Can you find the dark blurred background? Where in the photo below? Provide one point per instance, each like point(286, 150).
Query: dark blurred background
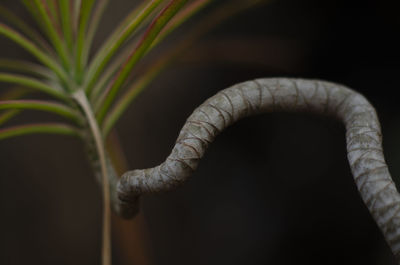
point(272, 189)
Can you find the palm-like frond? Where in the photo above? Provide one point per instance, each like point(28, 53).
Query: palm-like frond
point(84, 89)
point(69, 27)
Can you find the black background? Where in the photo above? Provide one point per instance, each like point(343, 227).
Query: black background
point(272, 189)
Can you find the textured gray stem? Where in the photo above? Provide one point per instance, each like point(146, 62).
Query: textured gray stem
point(363, 135)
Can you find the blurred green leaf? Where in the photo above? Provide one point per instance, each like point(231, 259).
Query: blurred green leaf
point(116, 39)
point(34, 83)
point(42, 105)
point(34, 50)
point(46, 128)
point(151, 33)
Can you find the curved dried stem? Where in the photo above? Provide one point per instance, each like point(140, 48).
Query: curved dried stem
point(363, 135)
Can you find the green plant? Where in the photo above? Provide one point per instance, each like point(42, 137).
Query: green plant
point(89, 92)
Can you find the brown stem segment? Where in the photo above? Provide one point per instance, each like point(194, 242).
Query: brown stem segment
point(363, 136)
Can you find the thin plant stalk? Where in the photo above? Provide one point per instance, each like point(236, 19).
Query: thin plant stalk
point(128, 233)
point(82, 100)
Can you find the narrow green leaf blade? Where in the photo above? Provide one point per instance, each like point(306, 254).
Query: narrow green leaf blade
point(222, 13)
point(117, 38)
point(53, 32)
point(110, 71)
point(26, 68)
point(33, 10)
point(134, 90)
point(66, 22)
point(13, 93)
point(176, 21)
point(8, 115)
point(188, 12)
point(85, 11)
point(33, 83)
point(156, 26)
point(52, 6)
point(77, 11)
point(92, 29)
point(53, 107)
point(34, 50)
point(39, 128)
point(25, 28)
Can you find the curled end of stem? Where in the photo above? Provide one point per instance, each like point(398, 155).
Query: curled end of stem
point(128, 199)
